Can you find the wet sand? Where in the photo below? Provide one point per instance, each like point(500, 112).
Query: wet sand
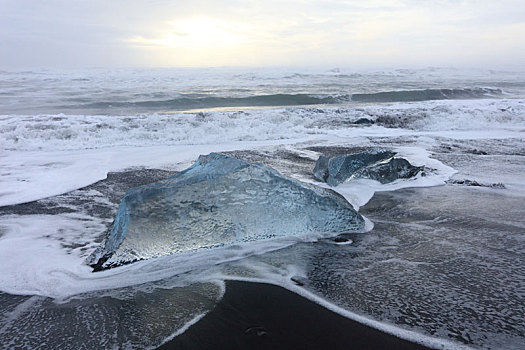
point(264, 316)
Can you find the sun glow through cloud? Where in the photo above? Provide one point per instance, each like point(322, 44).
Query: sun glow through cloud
point(193, 42)
point(194, 33)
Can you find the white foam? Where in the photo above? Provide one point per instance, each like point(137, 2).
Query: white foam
point(74, 132)
point(35, 260)
point(20, 309)
point(33, 175)
point(180, 330)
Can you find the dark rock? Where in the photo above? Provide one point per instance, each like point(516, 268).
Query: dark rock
point(256, 331)
point(467, 182)
point(364, 121)
point(478, 152)
point(298, 281)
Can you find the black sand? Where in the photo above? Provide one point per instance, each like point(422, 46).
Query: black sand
point(264, 316)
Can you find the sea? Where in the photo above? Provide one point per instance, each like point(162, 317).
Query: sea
point(442, 261)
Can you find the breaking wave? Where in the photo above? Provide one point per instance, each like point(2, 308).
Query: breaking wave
point(189, 101)
point(200, 101)
point(69, 132)
point(427, 95)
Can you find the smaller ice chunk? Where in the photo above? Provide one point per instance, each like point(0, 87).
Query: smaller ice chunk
point(395, 168)
point(220, 201)
point(337, 170)
point(376, 164)
point(321, 168)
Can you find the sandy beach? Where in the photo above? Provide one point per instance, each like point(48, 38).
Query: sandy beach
point(265, 316)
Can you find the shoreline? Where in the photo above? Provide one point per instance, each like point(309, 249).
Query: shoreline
point(265, 316)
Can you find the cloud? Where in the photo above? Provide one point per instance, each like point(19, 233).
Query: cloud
point(234, 32)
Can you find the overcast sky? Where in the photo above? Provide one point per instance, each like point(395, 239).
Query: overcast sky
point(362, 34)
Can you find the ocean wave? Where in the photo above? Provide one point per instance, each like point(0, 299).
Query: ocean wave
point(427, 95)
point(188, 101)
point(69, 132)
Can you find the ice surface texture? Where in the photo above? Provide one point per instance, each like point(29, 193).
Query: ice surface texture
point(376, 164)
point(220, 201)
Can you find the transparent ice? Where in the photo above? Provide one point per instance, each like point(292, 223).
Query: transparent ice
point(385, 172)
point(376, 164)
point(220, 201)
